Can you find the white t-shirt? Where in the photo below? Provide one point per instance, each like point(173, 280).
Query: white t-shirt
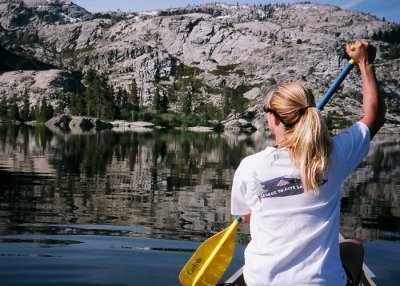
point(294, 235)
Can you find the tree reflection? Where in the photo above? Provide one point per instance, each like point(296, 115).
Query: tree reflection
point(169, 180)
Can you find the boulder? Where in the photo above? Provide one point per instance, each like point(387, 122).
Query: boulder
point(77, 124)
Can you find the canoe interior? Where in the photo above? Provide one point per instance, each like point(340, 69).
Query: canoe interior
point(237, 279)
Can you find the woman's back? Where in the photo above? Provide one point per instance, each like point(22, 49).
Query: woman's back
point(295, 234)
point(291, 192)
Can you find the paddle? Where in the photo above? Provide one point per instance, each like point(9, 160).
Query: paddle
point(212, 258)
point(335, 85)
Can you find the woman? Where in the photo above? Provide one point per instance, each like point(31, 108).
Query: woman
point(292, 190)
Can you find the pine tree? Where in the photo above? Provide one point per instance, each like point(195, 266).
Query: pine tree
point(124, 106)
point(157, 100)
point(44, 111)
point(91, 91)
point(226, 104)
point(164, 103)
point(118, 101)
point(14, 111)
point(108, 109)
point(3, 107)
point(99, 96)
point(49, 111)
point(187, 103)
point(25, 114)
point(134, 101)
point(76, 105)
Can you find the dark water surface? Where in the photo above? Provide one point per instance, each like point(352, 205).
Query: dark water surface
point(130, 208)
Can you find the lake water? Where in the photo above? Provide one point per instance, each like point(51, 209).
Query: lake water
point(130, 208)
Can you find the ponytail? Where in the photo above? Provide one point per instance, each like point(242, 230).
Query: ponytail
point(307, 138)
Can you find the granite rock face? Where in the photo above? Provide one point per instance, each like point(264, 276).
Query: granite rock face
point(245, 48)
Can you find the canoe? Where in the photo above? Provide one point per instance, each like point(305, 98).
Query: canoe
point(366, 277)
point(237, 278)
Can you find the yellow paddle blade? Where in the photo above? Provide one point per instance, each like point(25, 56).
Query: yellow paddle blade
point(211, 259)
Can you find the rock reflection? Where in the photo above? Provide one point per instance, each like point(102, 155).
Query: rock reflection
point(176, 184)
point(371, 203)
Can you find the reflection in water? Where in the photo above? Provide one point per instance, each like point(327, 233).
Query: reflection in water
point(174, 181)
point(167, 185)
point(371, 205)
point(177, 182)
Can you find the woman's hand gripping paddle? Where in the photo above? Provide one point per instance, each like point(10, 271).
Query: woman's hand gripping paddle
point(208, 264)
point(212, 258)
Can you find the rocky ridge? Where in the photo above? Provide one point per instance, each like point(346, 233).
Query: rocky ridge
point(246, 48)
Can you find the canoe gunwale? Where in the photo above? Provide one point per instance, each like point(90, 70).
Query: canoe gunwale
point(237, 278)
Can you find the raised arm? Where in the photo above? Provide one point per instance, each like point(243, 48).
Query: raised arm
point(373, 105)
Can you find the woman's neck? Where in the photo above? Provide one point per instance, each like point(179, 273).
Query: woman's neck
point(279, 136)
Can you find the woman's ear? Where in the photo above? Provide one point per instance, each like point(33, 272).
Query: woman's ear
point(275, 120)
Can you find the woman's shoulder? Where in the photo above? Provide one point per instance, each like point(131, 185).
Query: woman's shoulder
point(357, 132)
point(261, 155)
point(353, 143)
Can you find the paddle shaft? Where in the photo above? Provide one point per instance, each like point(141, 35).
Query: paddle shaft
point(335, 85)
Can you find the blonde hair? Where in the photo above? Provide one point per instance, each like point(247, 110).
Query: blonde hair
point(306, 138)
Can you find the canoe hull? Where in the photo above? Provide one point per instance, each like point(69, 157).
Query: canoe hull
point(238, 280)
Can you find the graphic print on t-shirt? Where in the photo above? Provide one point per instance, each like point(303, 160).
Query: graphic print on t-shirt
point(278, 187)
